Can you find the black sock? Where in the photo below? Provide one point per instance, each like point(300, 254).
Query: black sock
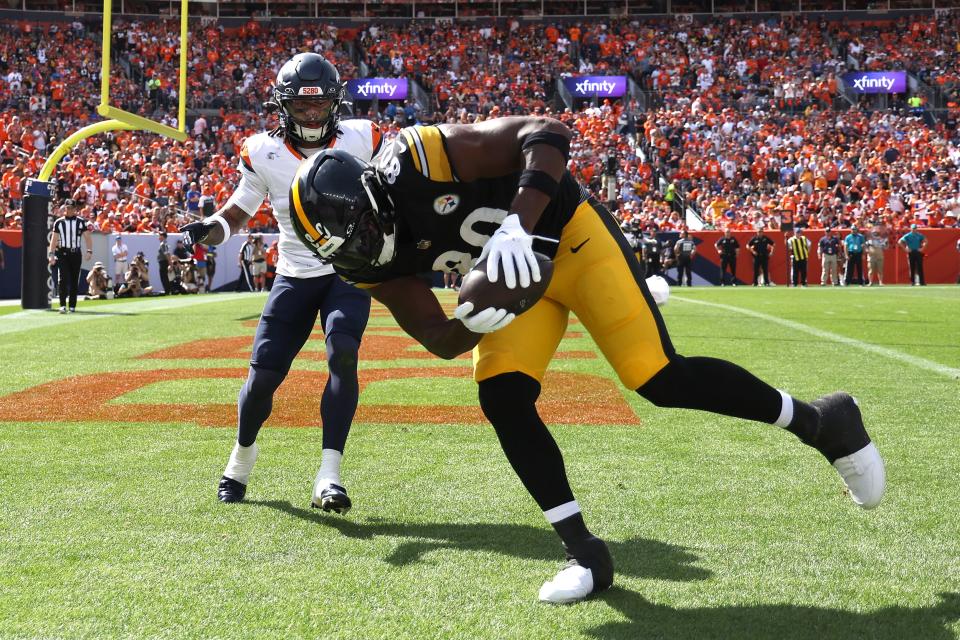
point(692, 383)
point(573, 531)
point(805, 423)
point(718, 386)
point(509, 402)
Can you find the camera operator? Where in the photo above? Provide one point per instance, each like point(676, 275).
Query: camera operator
point(98, 282)
point(175, 277)
point(143, 272)
point(136, 281)
point(189, 278)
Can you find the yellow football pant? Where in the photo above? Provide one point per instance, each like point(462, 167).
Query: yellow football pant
point(597, 276)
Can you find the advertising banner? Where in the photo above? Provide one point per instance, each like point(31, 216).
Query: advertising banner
point(596, 86)
point(378, 88)
point(876, 81)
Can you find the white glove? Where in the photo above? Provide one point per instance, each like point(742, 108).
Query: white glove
point(486, 321)
point(513, 246)
point(659, 289)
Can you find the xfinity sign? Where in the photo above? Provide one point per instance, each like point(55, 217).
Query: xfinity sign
point(596, 86)
point(378, 88)
point(876, 81)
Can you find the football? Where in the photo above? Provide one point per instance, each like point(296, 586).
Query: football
point(482, 293)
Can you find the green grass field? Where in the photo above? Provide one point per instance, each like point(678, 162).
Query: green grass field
point(109, 526)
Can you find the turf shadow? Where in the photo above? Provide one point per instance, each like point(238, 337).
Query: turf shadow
point(636, 557)
point(775, 621)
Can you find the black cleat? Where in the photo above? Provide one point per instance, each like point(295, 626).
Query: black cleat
point(332, 498)
point(589, 570)
point(229, 490)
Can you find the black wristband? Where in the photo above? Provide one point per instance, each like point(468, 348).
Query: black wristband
point(555, 140)
point(539, 180)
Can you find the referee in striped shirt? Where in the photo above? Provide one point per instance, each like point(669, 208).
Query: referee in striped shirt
point(799, 248)
point(68, 230)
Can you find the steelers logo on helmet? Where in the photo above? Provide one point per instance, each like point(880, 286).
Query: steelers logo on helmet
point(342, 213)
point(309, 93)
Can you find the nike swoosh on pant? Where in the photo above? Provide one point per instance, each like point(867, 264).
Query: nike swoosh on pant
point(579, 246)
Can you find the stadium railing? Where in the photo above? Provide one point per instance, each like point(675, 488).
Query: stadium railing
point(503, 9)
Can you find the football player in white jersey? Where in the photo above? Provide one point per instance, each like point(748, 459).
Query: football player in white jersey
point(307, 98)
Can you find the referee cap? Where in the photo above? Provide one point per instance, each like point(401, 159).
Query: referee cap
point(69, 202)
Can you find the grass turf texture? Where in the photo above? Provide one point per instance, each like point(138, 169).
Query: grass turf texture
point(720, 528)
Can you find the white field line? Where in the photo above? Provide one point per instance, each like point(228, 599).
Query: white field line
point(41, 318)
point(886, 352)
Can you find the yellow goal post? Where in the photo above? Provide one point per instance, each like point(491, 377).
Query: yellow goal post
point(36, 279)
point(118, 118)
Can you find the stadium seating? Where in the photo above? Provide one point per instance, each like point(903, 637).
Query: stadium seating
point(744, 118)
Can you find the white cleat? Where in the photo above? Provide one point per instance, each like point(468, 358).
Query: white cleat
point(572, 584)
point(864, 474)
point(844, 441)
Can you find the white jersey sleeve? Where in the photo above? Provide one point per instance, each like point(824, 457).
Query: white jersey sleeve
point(253, 188)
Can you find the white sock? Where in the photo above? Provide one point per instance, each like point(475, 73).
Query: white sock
point(240, 464)
point(786, 411)
point(329, 467)
point(562, 512)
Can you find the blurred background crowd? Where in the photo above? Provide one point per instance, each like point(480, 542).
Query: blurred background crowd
point(743, 123)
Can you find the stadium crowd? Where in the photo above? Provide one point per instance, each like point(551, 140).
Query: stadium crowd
point(742, 121)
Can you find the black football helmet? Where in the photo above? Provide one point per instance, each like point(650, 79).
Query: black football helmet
point(341, 211)
point(308, 77)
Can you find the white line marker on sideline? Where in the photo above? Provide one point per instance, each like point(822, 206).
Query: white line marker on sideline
point(41, 318)
point(886, 352)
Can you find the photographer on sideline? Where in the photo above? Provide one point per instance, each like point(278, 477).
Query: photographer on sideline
point(137, 280)
point(98, 282)
point(189, 278)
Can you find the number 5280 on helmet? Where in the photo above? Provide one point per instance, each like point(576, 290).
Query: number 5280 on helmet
point(342, 213)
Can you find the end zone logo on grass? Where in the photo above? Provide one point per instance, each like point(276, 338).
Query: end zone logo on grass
point(876, 81)
point(599, 86)
point(382, 88)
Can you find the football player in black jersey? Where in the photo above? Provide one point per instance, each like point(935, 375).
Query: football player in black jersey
point(446, 195)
